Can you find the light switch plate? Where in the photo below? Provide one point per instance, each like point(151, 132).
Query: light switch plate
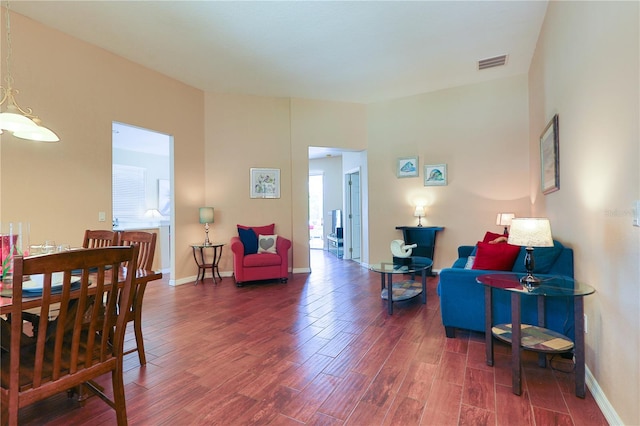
point(636, 214)
point(102, 217)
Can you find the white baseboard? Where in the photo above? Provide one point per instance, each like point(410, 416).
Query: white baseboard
point(601, 399)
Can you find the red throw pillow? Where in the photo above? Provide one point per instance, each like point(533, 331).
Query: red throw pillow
point(490, 236)
point(264, 230)
point(495, 257)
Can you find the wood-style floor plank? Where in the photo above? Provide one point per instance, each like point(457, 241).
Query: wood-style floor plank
point(319, 350)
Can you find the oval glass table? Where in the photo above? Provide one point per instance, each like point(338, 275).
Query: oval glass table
point(405, 289)
point(535, 337)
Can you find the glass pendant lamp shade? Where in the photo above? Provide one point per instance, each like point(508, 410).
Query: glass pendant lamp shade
point(15, 122)
point(37, 133)
point(19, 121)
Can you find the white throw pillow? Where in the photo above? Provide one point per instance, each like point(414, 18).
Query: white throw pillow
point(470, 261)
point(267, 243)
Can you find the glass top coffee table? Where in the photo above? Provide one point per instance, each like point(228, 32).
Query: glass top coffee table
point(405, 289)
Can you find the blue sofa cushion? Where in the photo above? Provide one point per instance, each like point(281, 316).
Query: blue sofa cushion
point(544, 258)
point(249, 240)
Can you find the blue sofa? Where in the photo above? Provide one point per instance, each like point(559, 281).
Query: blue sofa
point(462, 297)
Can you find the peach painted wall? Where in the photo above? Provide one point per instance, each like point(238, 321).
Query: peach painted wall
point(480, 132)
point(586, 70)
point(78, 90)
point(245, 132)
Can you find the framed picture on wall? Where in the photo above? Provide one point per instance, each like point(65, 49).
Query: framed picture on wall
point(435, 175)
point(550, 157)
point(265, 183)
point(407, 167)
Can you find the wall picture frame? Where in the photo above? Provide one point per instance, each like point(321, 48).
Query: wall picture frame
point(265, 183)
point(550, 157)
point(435, 175)
point(408, 167)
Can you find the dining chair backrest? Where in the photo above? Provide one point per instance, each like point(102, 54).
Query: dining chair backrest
point(147, 243)
point(94, 238)
point(84, 342)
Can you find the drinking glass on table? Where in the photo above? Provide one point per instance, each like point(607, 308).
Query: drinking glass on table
point(49, 246)
point(62, 247)
point(35, 249)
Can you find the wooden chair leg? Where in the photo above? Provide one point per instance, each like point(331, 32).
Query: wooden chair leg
point(118, 396)
point(137, 327)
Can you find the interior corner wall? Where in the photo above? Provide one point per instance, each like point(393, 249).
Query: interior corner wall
point(245, 131)
point(586, 70)
point(480, 132)
point(78, 90)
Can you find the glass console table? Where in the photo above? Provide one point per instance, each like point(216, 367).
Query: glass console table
point(395, 292)
point(535, 337)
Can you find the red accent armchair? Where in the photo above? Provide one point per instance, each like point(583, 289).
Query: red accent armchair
point(260, 266)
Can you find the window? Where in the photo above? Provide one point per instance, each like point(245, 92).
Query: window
point(128, 192)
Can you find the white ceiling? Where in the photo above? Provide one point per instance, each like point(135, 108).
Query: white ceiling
point(355, 51)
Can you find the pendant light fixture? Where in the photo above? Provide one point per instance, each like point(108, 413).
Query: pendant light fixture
point(21, 122)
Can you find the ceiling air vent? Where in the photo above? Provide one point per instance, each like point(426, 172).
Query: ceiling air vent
point(496, 61)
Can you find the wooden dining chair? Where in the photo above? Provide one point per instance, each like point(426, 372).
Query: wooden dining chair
point(85, 341)
point(147, 244)
point(94, 238)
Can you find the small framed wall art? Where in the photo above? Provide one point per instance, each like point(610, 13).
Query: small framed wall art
point(550, 157)
point(408, 167)
point(265, 183)
point(435, 175)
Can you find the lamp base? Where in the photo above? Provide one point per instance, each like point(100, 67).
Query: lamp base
point(206, 233)
point(530, 282)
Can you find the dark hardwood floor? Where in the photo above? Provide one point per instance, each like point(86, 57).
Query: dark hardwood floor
point(320, 350)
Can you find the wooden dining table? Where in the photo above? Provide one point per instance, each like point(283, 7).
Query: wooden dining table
point(143, 276)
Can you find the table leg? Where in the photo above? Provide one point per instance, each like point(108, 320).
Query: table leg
point(424, 286)
point(488, 324)
point(542, 322)
point(217, 255)
point(199, 263)
point(516, 336)
point(390, 294)
point(578, 309)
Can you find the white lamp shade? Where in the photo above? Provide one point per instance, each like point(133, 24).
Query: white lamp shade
point(152, 213)
point(206, 214)
point(504, 219)
point(16, 122)
point(37, 133)
point(530, 232)
point(419, 212)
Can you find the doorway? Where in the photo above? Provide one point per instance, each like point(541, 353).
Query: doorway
point(141, 185)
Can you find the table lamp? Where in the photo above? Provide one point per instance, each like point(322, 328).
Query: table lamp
point(504, 219)
point(206, 217)
point(530, 233)
point(419, 213)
